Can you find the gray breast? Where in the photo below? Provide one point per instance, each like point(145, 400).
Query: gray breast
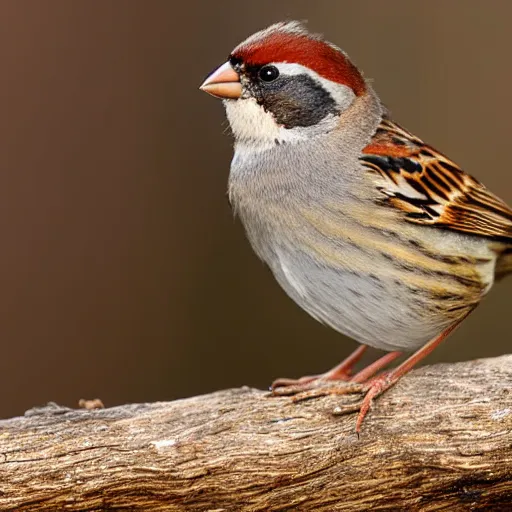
point(340, 267)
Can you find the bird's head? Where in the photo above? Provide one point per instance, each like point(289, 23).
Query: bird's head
point(284, 84)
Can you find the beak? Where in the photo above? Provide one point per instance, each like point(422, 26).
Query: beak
point(223, 83)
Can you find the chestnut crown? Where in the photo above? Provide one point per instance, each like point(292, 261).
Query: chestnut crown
point(290, 42)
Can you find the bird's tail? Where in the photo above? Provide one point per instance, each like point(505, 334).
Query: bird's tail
point(504, 264)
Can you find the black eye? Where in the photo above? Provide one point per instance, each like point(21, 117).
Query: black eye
point(269, 73)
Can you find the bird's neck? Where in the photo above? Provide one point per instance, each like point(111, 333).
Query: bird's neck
point(335, 152)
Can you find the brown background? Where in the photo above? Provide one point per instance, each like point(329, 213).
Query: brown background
point(122, 272)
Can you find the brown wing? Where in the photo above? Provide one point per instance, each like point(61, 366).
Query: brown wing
point(430, 189)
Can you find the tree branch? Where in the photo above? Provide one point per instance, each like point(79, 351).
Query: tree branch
point(440, 440)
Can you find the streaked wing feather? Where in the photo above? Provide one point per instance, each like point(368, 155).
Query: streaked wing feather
point(430, 189)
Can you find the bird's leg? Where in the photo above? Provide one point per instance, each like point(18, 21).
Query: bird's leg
point(372, 369)
point(363, 381)
point(341, 372)
point(381, 383)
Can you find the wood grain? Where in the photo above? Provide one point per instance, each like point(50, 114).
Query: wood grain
point(440, 440)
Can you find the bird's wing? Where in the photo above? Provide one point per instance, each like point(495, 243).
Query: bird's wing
point(430, 189)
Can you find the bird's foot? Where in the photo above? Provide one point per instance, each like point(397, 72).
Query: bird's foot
point(285, 387)
point(371, 389)
point(319, 386)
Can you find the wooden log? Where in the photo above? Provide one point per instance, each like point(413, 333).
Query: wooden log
point(441, 439)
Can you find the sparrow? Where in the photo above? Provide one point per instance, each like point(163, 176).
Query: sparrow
point(366, 227)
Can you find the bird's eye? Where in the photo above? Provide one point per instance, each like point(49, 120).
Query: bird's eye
point(269, 73)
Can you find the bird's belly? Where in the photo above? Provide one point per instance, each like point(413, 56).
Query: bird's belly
point(371, 309)
point(392, 289)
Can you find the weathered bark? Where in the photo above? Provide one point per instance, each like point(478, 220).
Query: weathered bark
point(440, 440)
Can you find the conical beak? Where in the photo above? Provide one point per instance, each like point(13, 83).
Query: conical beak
point(223, 83)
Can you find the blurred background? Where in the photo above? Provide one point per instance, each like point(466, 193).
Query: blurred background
point(123, 273)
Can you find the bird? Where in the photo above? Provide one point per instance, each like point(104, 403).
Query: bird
point(370, 230)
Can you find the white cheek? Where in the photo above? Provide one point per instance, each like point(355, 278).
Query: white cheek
point(249, 121)
point(342, 95)
point(254, 129)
